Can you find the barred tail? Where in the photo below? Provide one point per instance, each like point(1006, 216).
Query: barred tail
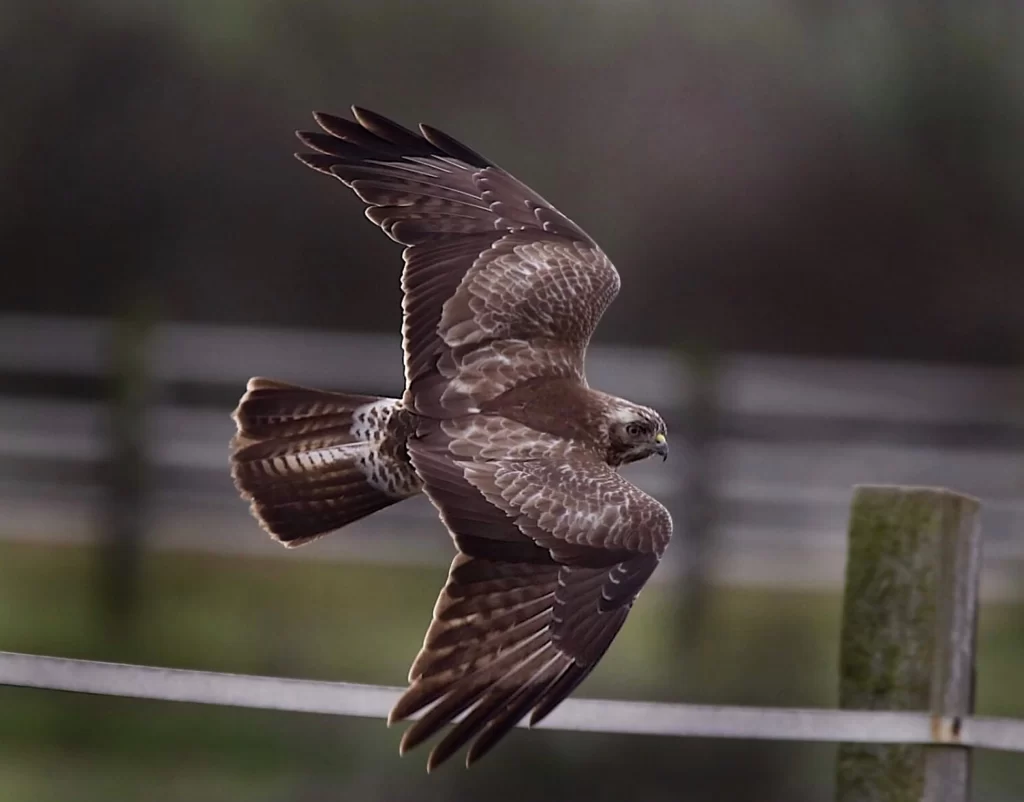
point(312, 461)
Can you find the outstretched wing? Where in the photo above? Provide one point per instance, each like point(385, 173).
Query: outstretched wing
point(499, 286)
point(554, 547)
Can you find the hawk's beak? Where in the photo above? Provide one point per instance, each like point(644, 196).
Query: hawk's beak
point(661, 446)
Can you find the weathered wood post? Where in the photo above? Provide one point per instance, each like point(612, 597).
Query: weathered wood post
point(908, 636)
point(701, 430)
point(127, 476)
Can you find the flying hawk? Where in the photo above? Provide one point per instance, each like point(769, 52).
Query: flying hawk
point(497, 425)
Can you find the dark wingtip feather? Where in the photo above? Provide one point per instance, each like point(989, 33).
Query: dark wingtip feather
point(487, 740)
point(409, 142)
point(557, 691)
point(356, 137)
point(417, 733)
point(434, 760)
point(452, 147)
point(337, 126)
point(320, 162)
point(325, 143)
point(403, 747)
point(403, 708)
point(374, 136)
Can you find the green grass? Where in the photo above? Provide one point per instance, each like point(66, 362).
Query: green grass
point(301, 618)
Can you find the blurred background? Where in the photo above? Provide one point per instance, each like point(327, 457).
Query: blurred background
point(816, 211)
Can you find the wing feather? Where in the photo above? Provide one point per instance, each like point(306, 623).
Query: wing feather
point(532, 601)
point(516, 270)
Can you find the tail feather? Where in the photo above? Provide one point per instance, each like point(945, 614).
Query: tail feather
point(312, 461)
point(275, 410)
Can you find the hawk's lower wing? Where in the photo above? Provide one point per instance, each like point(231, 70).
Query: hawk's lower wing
point(555, 546)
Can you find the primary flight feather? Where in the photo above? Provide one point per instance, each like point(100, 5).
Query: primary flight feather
point(497, 425)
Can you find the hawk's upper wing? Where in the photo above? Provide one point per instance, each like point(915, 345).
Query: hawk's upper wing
point(499, 286)
point(554, 547)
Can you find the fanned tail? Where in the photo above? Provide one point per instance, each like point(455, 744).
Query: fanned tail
point(312, 461)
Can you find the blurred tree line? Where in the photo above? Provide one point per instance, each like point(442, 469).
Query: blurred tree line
point(828, 178)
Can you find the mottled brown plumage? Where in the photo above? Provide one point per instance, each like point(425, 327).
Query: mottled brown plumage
point(497, 426)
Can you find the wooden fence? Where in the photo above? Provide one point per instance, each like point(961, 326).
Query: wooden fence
point(906, 723)
point(765, 448)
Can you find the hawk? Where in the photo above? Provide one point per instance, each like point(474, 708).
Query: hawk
point(497, 426)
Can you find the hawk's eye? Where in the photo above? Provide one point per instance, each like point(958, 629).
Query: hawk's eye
point(634, 430)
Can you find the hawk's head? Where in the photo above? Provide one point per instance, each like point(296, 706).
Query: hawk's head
point(635, 432)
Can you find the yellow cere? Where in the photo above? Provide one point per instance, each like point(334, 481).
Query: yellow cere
point(659, 438)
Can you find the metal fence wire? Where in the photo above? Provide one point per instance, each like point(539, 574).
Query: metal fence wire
point(588, 715)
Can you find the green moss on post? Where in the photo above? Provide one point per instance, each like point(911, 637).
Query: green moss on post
point(908, 633)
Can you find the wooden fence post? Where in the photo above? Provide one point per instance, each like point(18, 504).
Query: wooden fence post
point(908, 636)
point(127, 475)
point(698, 513)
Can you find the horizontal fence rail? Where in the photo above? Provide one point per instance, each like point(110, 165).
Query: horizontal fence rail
point(585, 715)
point(876, 391)
point(792, 435)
